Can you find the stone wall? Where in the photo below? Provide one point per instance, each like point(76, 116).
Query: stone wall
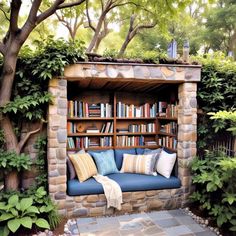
point(136, 201)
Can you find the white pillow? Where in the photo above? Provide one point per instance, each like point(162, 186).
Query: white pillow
point(165, 163)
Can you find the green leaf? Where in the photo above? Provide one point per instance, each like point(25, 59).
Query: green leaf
point(42, 223)
point(32, 209)
point(25, 203)
point(13, 200)
point(26, 222)
point(13, 225)
point(232, 228)
point(6, 216)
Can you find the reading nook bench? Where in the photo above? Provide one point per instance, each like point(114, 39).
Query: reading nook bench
point(103, 106)
point(129, 182)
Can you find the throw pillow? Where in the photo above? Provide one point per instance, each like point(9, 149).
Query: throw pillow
point(155, 152)
point(165, 163)
point(84, 166)
point(140, 164)
point(105, 162)
point(70, 167)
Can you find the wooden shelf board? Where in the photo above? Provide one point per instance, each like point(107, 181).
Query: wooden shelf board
point(167, 134)
point(88, 134)
point(132, 134)
point(166, 118)
point(89, 118)
point(90, 148)
point(135, 118)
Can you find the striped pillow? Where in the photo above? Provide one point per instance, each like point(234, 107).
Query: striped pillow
point(84, 165)
point(140, 164)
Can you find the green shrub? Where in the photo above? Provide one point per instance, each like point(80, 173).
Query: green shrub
point(215, 179)
point(11, 161)
point(27, 210)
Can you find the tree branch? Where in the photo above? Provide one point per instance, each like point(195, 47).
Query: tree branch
point(88, 17)
point(33, 11)
point(5, 14)
point(27, 136)
point(66, 5)
point(15, 8)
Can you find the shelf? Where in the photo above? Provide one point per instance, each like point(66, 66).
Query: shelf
point(146, 146)
point(90, 148)
point(132, 134)
point(88, 134)
point(89, 118)
point(166, 118)
point(166, 134)
point(135, 118)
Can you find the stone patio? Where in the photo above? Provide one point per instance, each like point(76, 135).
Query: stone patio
point(159, 223)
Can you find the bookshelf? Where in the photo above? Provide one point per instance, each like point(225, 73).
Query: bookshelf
point(109, 119)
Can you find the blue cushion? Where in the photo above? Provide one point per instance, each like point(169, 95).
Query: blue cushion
point(139, 151)
point(119, 155)
point(127, 181)
point(105, 162)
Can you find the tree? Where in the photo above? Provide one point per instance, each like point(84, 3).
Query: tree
point(10, 46)
point(72, 19)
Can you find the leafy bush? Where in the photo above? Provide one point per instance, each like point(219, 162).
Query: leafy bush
point(216, 92)
point(215, 180)
point(10, 161)
point(27, 210)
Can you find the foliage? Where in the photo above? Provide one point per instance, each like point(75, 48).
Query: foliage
point(215, 92)
point(222, 117)
point(27, 210)
point(146, 56)
point(10, 160)
point(40, 162)
point(215, 180)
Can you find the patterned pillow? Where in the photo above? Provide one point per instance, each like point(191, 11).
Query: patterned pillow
point(105, 162)
point(165, 163)
point(141, 164)
point(70, 167)
point(84, 165)
point(155, 152)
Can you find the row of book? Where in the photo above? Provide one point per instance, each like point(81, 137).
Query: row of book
point(88, 142)
point(124, 141)
point(170, 142)
point(167, 110)
point(84, 109)
point(126, 110)
point(170, 128)
point(142, 128)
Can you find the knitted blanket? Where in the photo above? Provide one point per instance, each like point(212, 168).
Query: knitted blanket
point(112, 191)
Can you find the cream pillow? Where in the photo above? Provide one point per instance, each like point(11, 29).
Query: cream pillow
point(140, 164)
point(165, 163)
point(84, 165)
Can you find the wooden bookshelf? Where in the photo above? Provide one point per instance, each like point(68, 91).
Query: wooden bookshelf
point(139, 118)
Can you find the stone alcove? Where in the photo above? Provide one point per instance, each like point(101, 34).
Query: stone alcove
point(186, 78)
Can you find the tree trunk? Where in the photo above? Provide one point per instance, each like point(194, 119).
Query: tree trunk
point(7, 78)
point(11, 180)
point(96, 34)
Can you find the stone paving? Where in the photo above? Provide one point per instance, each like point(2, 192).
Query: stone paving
point(159, 223)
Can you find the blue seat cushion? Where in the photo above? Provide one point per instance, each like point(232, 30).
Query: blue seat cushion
point(119, 155)
point(139, 151)
point(127, 181)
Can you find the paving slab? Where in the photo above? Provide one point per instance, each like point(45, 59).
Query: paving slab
point(158, 223)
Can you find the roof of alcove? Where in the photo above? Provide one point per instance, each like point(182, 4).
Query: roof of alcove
point(132, 76)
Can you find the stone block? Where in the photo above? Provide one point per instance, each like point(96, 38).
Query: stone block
point(101, 203)
point(60, 195)
point(164, 194)
point(92, 198)
point(62, 135)
point(52, 134)
point(127, 196)
point(62, 112)
point(53, 143)
point(138, 195)
point(97, 211)
point(61, 154)
point(80, 212)
point(62, 103)
point(53, 173)
point(154, 204)
point(151, 193)
point(53, 82)
point(126, 207)
point(62, 82)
